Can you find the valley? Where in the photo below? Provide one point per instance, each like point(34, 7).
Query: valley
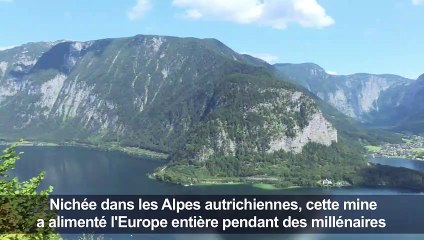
point(411, 148)
point(377, 100)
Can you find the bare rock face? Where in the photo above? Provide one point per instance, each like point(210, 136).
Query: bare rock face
point(155, 92)
point(360, 96)
point(340, 100)
point(319, 130)
point(287, 121)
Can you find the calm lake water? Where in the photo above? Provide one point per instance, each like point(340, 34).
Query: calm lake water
point(83, 171)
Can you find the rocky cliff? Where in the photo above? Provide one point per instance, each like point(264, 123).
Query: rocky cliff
point(358, 96)
point(277, 120)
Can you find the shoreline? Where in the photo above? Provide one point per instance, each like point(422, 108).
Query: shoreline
point(109, 147)
point(233, 182)
point(396, 157)
point(140, 152)
point(272, 187)
point(262, 186)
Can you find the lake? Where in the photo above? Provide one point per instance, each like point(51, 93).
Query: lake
point(400, 162)
point(73, 170)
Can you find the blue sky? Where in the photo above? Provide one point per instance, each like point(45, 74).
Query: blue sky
point(343, 36)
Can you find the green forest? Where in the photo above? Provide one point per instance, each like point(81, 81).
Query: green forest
point(345, 166)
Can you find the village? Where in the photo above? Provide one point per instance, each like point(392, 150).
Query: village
point(411, 148)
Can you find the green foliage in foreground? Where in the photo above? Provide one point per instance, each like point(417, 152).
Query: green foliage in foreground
point(13, 186)
point(21, 204)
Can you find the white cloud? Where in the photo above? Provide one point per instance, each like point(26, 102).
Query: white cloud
point(277, 14)
point(267, 57)
point(5, 47)
point(194, 14)
point(417, 2)
point(331, 72)
point(139, 9)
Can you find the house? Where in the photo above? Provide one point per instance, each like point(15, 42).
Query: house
point(327, 182)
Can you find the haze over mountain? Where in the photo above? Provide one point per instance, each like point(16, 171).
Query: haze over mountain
point(385, 100)
point(408, 115)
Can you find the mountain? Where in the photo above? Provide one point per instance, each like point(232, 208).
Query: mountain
point(16, 62)
point(197, 99)
point(409, 111)
point(383, 101)
point(150, 91)
point(218, 113)
point(357, 96)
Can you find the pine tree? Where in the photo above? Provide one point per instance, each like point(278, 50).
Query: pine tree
point(20, 202)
